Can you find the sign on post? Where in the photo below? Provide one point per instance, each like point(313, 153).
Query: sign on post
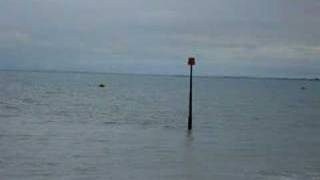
point(191, 61)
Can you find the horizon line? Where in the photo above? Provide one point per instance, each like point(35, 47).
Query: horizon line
point(173, 75)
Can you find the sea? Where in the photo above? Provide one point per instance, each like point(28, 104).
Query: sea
point(63, 126)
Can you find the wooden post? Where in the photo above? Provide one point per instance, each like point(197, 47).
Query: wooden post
point(191, 62)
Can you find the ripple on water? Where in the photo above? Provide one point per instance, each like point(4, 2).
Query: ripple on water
point(62, 113)
point(23, 136)
point(81, 105)
point(8, 116)
point(110, 123)
point(3, 103)
point(169, 127)
point(42, 104)
point(284, 176)
point(9, 111)
point(52, 164)
point(29, 100)
point(53, 92)
point(11, 107)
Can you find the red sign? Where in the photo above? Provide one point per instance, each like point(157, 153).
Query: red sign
point(191, 61)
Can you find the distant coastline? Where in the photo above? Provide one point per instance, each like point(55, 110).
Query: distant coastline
point(169, 75)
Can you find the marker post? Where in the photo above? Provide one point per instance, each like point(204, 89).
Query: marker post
point(191, 63)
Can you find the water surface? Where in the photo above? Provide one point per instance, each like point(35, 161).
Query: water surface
point(63, 126)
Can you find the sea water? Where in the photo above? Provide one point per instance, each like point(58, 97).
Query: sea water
point(63, 126)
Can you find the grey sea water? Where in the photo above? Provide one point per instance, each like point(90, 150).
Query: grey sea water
point(63, 126)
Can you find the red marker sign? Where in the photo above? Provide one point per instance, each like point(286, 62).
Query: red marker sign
point(191, 61)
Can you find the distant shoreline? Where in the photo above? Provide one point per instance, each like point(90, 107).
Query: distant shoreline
point(169, 75)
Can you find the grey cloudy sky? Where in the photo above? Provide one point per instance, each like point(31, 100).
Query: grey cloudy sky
point(228, 37)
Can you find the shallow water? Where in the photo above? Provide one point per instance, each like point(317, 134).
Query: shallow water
point(63, 126)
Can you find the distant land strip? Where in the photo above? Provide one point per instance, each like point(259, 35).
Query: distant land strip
point(170, 75)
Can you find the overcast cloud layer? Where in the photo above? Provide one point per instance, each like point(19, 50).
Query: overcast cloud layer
point(228, 37)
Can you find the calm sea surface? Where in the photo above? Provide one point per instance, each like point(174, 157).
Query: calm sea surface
point(62, 126)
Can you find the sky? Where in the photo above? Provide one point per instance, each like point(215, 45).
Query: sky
point(269, 38)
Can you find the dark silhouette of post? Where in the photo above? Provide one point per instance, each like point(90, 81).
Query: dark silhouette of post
point(191, 62)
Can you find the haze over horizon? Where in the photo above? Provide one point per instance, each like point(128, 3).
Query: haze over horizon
point(269, 38)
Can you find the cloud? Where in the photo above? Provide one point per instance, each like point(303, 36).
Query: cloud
point(226, 34)
point(8, 38)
